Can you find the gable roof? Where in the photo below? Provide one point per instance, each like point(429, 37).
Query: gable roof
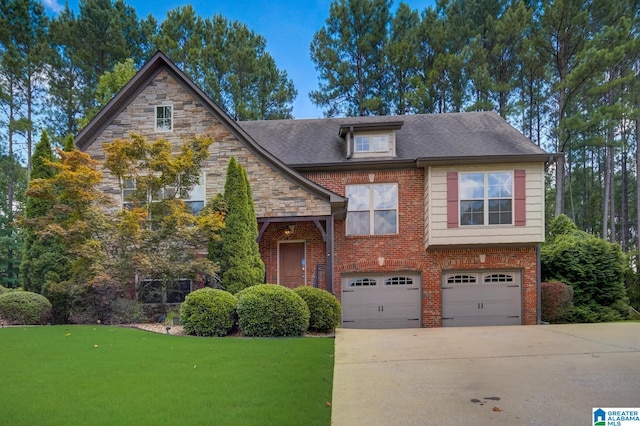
point(146, 74)
point(451, 138)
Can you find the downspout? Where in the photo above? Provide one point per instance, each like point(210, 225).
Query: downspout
point(330, 253)
point(539, 286)
point(331, 249)
point(350, 143)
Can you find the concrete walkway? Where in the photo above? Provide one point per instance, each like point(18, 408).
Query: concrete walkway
point(512, 375)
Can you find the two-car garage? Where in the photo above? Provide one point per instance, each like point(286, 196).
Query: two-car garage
point(469, 298)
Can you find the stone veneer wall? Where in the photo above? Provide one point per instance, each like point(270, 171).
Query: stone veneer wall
point(274, 196)
point(405, 252)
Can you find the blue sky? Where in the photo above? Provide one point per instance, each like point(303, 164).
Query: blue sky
point(287, 25)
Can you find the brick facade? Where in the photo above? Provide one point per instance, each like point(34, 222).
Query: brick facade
point(405, 251)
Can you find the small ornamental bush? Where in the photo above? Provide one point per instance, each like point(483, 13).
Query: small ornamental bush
point(3, 290)
point(556, 301)
point(269, 310)
point(208, 312)
point(324, 308)
point(24, 307)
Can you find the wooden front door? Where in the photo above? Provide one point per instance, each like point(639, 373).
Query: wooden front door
point(291, 268)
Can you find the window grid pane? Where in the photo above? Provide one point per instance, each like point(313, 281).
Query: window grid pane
point(382, 218)
point(486, 198)
point(163, 118)
point(362, 144)
point(472, 212)
point(399, 281)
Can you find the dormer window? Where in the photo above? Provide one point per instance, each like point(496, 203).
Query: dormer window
point(370, 139)
point(372, 143)
point(164, 118)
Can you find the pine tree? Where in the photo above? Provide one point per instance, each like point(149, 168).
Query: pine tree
point(240, 262)
point(11, 239)
point(349, 54)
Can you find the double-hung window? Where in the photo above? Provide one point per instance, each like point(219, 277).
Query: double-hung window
point(486, 198)
point(164, 118)
point(373, 209)
point(372, 143)
point(194, 199)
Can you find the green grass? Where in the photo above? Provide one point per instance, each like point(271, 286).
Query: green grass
point(85, 375)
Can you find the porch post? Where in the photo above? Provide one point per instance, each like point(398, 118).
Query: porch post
point(330, 252)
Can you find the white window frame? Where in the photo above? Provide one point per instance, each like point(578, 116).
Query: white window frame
point(376, 143)
point(197, 194)
point(468, 195)
point(160, 120)
point(371, 209)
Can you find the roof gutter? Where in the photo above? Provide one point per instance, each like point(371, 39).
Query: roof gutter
point(492, 159)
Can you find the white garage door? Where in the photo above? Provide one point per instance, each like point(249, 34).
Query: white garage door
point(481, 298)
point(381, 301)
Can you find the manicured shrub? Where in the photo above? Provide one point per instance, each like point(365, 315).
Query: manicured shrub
point(208, 312)
point(324, 308)
point(25, 307)
point(593, 267)
point(60, 297)
point(556, 301)
point(269, 310)
point(3, 290)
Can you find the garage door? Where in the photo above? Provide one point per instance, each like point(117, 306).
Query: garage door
point(481, 298)
point(381, 301)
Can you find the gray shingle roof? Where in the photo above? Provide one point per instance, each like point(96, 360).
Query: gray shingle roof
point(452, 136)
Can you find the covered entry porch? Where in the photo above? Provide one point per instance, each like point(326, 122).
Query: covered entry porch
point(297, 251)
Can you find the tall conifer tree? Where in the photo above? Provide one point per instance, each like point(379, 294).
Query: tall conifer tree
point(44, 259)
point(240, 262)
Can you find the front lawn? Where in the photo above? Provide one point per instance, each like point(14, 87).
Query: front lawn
point(80, 375)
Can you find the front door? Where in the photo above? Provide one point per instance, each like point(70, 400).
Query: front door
point(291, 268)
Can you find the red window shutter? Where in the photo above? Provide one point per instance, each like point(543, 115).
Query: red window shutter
point(452, 199)
point(520, 198)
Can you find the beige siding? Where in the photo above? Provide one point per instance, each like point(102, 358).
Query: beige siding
point(437, 233)
point(427, 196)
point(273, 195)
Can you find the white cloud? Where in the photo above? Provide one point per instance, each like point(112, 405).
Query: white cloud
point(53, 5)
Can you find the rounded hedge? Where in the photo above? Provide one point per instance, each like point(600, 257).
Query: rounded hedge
point(269, 310)
point(25, 307)
point(3, 290)
point(208, 312)
point(324, 308)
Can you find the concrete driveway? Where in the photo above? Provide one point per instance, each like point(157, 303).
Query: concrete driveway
point(511, 375)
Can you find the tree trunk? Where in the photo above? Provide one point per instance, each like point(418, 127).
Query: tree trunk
point(624, 199)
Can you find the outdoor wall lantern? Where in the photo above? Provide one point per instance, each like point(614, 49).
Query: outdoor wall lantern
point(289, 230)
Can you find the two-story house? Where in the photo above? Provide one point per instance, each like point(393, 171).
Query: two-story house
point(411, 221)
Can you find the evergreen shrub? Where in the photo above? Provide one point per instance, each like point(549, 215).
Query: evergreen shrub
point(208, 312)
point(60, 297)
point(269, 310)
point(25, 307)
point(556, 301)
point(324, 308)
